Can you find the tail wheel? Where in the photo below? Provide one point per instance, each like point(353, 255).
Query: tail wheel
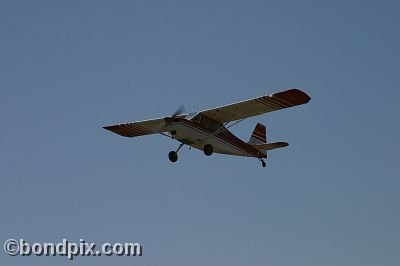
point(173, 156)
point(208, 149)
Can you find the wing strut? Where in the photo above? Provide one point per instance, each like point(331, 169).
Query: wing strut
point(225, 127)
point(234, 123)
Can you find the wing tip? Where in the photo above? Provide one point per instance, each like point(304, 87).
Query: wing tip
point(294, 96)
point(304, 96)
point(120, 130)
point(109, 128)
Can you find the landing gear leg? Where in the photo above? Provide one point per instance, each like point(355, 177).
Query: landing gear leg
point(173, 155)
point(180, 146)
point(263, 164)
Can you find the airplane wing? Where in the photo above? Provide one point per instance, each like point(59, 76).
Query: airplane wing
point(140, 128)
point(257, 106)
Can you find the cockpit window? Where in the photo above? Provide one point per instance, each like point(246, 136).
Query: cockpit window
point(196, 117)
point(209, 123)
point(206, 122)
point(190, 116)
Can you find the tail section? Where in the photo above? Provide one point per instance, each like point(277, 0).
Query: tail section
point(259, 140)
point(259, 135)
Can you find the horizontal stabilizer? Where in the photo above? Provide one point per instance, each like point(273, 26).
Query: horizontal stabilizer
point(270, 146)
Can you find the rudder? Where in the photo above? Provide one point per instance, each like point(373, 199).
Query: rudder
point(259, 135)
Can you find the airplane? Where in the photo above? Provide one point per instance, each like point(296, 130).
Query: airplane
point(208, 130)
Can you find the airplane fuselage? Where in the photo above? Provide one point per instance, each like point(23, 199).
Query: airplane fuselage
point(198, 133)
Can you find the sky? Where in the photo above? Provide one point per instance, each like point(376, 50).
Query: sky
point(67, 68)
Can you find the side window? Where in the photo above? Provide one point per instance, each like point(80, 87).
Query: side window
point(206, 122)
point(209, 123)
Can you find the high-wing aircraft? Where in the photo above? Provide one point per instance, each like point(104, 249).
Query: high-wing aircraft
point(208, 130)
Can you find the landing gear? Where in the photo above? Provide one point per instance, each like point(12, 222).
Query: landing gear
point(173, 155)
point(208, 149)
point(263, 164)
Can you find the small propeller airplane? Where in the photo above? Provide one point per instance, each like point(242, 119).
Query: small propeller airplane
point(208, 130)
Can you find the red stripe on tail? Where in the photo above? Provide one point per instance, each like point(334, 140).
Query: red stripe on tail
point(259, 135)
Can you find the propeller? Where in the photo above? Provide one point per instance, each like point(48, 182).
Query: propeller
point(179, 111)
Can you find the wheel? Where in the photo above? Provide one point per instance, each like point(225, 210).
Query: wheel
point(263, 164)
point(208, 149)
point(173, 156)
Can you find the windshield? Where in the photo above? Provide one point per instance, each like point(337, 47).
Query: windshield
point(190, 116)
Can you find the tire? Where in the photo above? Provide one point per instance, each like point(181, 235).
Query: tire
point(173, 156)
point(208, 149)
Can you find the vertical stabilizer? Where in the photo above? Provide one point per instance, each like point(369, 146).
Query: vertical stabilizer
point(259, 135)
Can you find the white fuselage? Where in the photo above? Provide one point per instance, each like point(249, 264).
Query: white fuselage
point(198, 135)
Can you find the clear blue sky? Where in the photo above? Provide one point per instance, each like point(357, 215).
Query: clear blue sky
point(331, 198)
